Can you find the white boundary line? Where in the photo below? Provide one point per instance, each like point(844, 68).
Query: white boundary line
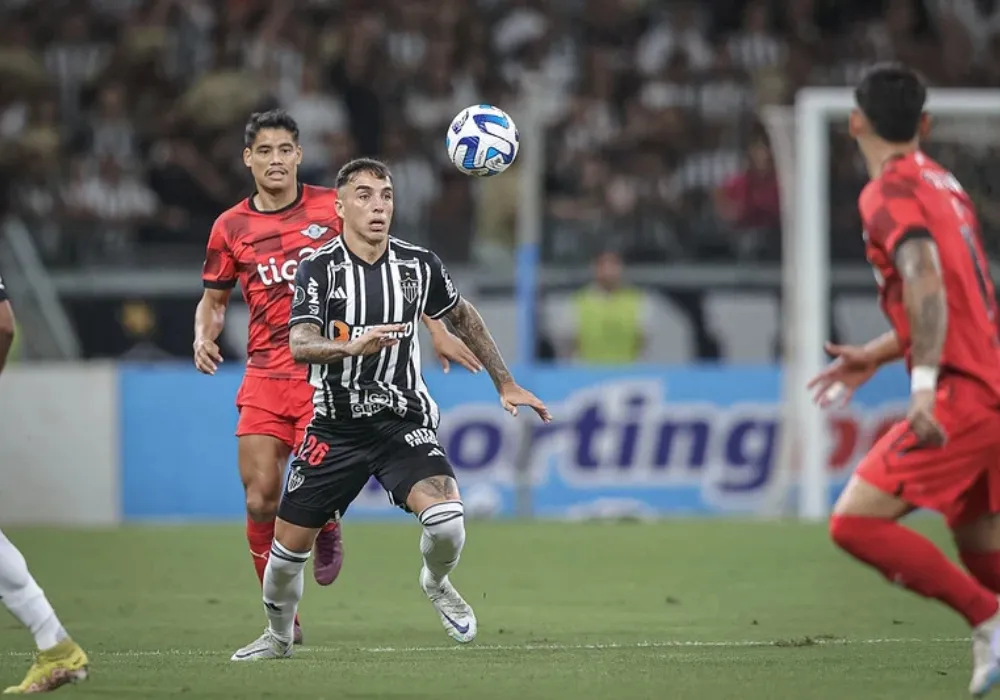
point(676, 644)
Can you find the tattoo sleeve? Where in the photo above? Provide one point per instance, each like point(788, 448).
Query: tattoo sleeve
point(308, 344)
point(470, 327)
point(923, 297)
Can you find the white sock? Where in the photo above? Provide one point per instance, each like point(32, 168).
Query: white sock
point(443, 537)
point(25, 599)
point(284, 582)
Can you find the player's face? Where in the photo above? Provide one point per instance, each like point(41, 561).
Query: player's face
point(365, 205)
point(273, 159)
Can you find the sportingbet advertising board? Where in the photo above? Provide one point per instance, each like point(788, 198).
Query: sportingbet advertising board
point(634, 442)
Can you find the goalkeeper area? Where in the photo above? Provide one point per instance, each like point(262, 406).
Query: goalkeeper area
point(682, 609)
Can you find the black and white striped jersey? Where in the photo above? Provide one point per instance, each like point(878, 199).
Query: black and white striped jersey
point(345, 296)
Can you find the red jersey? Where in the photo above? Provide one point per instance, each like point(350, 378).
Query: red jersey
point(914, 192)
point(262, 251)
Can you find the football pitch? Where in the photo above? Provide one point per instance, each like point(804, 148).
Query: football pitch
point(681, 609)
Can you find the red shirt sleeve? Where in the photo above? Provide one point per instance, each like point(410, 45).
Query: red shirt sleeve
point(219, 270)
point(890, 210)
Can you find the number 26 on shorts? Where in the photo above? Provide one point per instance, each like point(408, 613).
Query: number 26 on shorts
point(313, 451)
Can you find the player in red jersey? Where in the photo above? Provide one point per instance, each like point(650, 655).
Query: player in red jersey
point(259, 243)
point(922, 239)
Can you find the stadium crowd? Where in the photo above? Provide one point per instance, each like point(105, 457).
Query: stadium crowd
point(121, 120)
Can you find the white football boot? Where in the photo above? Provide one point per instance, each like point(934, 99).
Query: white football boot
point(456, 615)
point(985, 656)
point(267, 646)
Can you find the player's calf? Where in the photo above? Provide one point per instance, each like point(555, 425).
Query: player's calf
point(437, 502)
point(978, 543)
point(864, 525)
point(261, 460)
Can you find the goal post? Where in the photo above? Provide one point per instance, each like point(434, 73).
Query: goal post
point(806, 439)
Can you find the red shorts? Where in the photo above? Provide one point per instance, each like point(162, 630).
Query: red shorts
point(961, 479)
point(281, 408)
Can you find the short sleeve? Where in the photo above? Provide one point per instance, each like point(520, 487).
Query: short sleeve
point(3, 290)
point(892, 210)
point(219, 270)
point(442, 296)
point(309, 300)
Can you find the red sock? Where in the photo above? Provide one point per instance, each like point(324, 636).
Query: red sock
point(985, 567)
point(260, 536)
point(906, 558)
point(331, 526)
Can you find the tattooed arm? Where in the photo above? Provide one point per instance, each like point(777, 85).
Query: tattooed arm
point(924, 297)
point(471, 329)
point(927, 309)
point(309, 345)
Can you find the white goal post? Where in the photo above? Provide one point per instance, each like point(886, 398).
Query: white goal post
point(807, 267)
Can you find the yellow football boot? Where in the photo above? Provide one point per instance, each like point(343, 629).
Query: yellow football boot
point(64, 663)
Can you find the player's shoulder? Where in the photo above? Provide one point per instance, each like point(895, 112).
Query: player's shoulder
point(332, 251)
point(228, 220)
point(318, 194)
point(898, 182)
point(411, 250)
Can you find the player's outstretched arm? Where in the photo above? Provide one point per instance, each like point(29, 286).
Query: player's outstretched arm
point(852, 366)
point(926, 306)
point(470, 327)
point(6, 331)
point(449, 348)
point(209, 320)
point(308, 344)
point(885, 349)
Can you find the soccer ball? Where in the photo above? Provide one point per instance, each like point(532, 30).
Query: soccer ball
point(482, 141)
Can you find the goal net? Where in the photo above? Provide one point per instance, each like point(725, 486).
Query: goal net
point(820, 175)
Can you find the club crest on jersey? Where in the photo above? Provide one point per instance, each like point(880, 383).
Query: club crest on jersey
point(410, 287)
point(295, 479)
point(314, 231)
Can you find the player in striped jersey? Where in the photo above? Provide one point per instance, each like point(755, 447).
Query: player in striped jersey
point(357, 304)
point(60, 660)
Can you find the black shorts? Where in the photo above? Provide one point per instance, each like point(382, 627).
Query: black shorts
point(336, 460)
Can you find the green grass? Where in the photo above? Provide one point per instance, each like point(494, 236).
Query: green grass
point(602, 611)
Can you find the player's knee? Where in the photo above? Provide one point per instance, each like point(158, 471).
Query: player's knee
point(444, 524)
point(285, 563)
point(261, 504)
point(838, 532)
point(847, 531)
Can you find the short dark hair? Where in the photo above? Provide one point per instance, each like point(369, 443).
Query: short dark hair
point(271, 119)
point(362, 165)
point(892, 97)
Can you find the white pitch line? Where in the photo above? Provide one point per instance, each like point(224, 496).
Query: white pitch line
point(674, 644)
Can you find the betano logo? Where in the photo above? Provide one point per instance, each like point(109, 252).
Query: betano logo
point(342, 331)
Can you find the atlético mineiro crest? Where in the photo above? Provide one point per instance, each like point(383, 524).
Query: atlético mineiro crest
point(314, 231)
point(410, 287)
point(295, 479)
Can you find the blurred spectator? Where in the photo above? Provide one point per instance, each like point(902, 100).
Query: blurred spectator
point(320, 115)
point(121, 120)
point(139, 325)
point(112, 202)
point(748, 203)
point(608, 321)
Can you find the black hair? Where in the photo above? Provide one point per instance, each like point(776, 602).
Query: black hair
point(892, 97)
point(272, 119)
point(362, 165)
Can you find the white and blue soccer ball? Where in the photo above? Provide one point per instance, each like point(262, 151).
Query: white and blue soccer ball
point(482, 141)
